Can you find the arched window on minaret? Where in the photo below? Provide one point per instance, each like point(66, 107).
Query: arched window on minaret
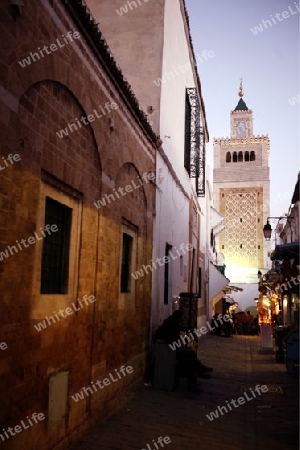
point(252, 156)
point(247, 156)
point(228, 157)
point(240, 157)
point(234, 157)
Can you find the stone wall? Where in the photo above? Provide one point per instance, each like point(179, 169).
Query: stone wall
point(78, 169)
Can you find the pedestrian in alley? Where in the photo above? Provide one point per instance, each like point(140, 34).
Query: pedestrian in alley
point(233, 318)
point(187, 362)
point(244, 323)
point(256, 325)
point(238, 323)
point(291, 343)
point(250, 323)
point(216, 325)
point(228, 328)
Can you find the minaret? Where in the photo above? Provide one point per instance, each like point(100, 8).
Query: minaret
point(242, 191)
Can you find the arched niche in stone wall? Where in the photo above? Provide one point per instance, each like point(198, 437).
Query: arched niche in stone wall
point(57, 141)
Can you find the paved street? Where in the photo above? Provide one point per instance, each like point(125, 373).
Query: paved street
point(266, 421)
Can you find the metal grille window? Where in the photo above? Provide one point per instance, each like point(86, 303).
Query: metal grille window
point(194, 146)
point(167, 275)
point(56, 249)
point(187, 140)
point(126, 262)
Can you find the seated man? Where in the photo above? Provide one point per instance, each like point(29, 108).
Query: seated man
point(291, 341)
point(187, 361)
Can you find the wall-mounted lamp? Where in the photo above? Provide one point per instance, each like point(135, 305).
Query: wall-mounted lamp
point(16, 8)
point(259, 275)
point(267, 230)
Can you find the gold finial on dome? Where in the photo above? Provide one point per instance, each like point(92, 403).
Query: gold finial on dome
point(241, 91)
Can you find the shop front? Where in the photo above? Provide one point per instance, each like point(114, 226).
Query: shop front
point(286, 257)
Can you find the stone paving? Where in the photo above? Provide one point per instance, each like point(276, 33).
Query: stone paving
point(268, 421)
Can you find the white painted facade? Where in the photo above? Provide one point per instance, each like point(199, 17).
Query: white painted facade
point(174, 221)
point(152, 45)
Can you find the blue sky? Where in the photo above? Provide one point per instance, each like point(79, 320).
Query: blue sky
point(268, 62)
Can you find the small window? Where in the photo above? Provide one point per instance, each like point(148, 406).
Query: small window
point(223, 247)
point(240, 157)
point(228, 157)
point(126, 262)
point(247, 156)
point(56, 249)
point(234, 157)
point(258, 247)
point(241, 220)
point(241, 246)
point(258, 220)
point(252, 156)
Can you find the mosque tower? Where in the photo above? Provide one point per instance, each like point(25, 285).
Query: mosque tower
point(242, 195)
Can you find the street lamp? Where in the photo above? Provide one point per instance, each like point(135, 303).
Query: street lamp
point(267, 230)
point(259, 275)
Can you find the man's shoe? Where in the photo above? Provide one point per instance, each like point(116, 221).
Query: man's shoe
point(175, 386)
point(204, 375)
point(195, 389)
point(207, 369)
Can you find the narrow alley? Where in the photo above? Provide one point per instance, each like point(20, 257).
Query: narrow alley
point(267, 421)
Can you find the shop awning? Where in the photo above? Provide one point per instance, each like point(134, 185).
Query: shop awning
point(216, 221)
point(229, 299)
point(232, 289)
point(286, 251)
point(217, 281)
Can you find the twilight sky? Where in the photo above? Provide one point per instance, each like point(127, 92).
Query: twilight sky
point(268, 62)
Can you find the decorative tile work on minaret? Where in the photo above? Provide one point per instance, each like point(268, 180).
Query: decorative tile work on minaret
point(241, 191)
point(242, 211)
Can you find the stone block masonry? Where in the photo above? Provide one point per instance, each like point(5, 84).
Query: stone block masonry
point(74, 172)
point(25, 424)
point(132, 5)
point(11, 158)
point(86, 120)
point(11, 250)
point(68, 311)
point(112, 377)
point(41, 53)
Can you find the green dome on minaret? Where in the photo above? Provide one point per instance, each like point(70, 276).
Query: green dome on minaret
point(241, 106)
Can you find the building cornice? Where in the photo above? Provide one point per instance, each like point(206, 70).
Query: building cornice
point(241, 113)
point(237, 142)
